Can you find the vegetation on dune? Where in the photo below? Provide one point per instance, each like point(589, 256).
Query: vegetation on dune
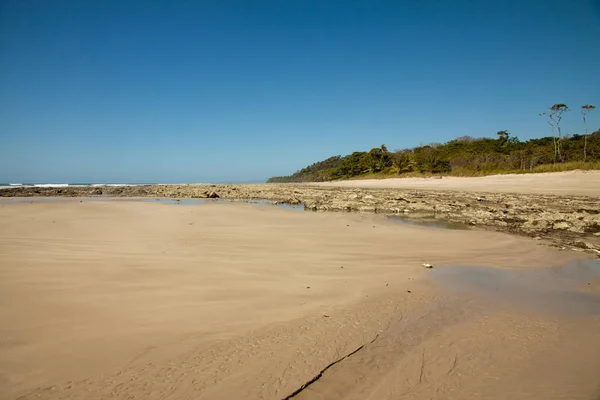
point(467, 156)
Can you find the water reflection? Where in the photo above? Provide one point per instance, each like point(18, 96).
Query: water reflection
point(550, 290)
point(41, 199)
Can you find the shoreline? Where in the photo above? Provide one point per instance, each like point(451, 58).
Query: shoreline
point(564, 221)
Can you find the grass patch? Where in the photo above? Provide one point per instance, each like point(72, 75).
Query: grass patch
point(568, 166)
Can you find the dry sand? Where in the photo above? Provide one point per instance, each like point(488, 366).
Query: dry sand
point(574, 183)
point(155, 301)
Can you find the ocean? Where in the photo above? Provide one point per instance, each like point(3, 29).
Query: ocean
point(58, 185)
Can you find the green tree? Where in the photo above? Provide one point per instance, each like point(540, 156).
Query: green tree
point(503, 140)
point(503, 136)
point(431, 159)
point(352, 165)
point(378, 159)
point(404, 162)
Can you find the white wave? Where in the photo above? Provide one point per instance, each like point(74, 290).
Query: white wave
point(15, 184)
point(51, 185)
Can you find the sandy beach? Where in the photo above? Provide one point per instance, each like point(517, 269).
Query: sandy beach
point(574, 183)
point(221, 301)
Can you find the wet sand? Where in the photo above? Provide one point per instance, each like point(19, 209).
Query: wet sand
point(121, 299)
point(572, 183)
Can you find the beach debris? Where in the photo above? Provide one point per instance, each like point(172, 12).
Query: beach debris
point(425, 265)
point(212, 195)
point(308, 287)
point(408, 291)
point(342, 267)
point(387, 284)
point(325, 316)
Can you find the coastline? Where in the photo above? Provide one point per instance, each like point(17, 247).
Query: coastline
point(567, 221)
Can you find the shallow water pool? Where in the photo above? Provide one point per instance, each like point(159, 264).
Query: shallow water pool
point(550, 290)
point(41, 199)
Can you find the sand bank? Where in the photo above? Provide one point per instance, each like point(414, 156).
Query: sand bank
point(573, 183)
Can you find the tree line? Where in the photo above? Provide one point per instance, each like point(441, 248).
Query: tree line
point(465, 155)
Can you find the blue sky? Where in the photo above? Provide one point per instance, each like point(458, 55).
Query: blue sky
point(196, 91)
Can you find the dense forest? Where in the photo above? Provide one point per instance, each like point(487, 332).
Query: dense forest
point(467, 155)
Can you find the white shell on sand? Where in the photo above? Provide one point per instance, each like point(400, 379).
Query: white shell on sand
point(427, 265)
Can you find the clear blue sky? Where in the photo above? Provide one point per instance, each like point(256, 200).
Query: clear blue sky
point(195, 91)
